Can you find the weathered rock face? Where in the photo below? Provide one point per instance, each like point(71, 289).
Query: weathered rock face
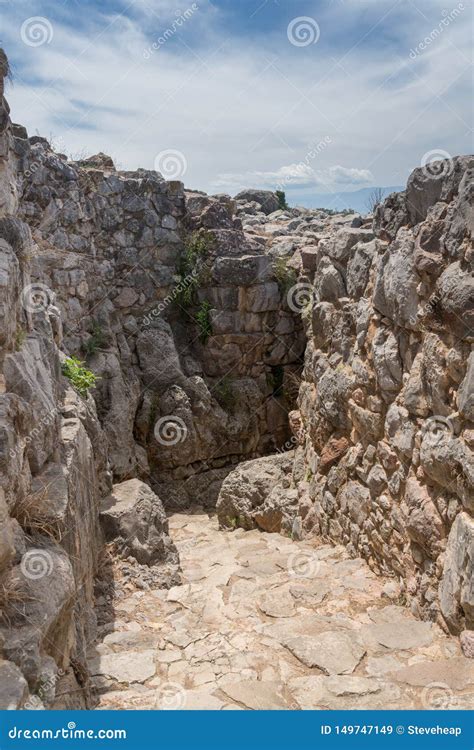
point(134, 518)
point(385, 421)
point(194, 313)
point(258, 494)
point(54, 467)
point(173, 306)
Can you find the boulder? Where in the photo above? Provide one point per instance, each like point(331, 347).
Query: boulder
point(267, 200)
point(456, 590)
point(133, 517)
point(257, 494)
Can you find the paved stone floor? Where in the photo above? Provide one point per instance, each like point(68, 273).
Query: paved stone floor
point(262, 622)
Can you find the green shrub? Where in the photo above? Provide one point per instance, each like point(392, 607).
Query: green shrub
point(285, 277)
point(96, 340)
point(192, 269)
point(81, 379)
point(282, 200)
point(203, 319)
point(225, 394)
point(275, 380)
point(20, 337)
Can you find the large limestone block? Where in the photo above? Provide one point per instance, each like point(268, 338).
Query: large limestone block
point(257, 494)
point(456, 590)
point(395, 292)
point(466, 392)
point(267, 200)
point(134, 517)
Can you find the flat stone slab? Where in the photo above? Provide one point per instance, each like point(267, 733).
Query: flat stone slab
point(13, 687)
point(456, 673)
point(403, 634)
point(200, 700)
point(128, 666)
point(277, 603)
point(258, 695)
point(351, 685)
point(381, 665)
point(332, 652)
point(343, 692)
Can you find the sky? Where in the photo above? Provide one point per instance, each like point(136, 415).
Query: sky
point(308, 96)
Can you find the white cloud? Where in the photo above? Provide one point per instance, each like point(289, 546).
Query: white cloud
point(238, 109)
point(296, 176)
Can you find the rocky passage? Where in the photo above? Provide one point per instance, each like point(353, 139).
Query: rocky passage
point(297, 372)
point(263, 622)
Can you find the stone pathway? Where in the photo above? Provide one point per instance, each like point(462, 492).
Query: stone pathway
point(262, 622)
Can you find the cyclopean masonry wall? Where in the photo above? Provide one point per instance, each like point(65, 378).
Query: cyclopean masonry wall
point(96, 263)
point(385, 419)
point(174, 403)
point(54, 475)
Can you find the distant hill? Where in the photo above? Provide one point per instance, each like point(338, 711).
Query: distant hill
point(339, 201)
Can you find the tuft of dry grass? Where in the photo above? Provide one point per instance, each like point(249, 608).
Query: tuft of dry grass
point(13, 593)
point(29, 512)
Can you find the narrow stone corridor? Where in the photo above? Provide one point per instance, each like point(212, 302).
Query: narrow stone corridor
point(263, 622)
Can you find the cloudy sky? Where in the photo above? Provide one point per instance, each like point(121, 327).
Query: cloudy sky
point(312, 96)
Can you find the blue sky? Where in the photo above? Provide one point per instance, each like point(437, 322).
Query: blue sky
point(312, 96)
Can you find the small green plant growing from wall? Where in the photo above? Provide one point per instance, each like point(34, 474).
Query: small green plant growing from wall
point(225, 395)
point(192, 269)
point(285, 277)
point(20, 337)
point(280, 194)
point(81, 378)
point(275, 380)
point(96, 340)
point(203, 319)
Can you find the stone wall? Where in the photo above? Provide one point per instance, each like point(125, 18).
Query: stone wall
point(54, 460)
point(113, 251)
point(385, 419)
